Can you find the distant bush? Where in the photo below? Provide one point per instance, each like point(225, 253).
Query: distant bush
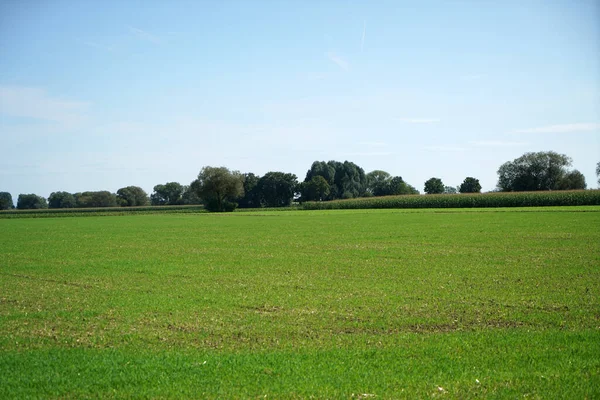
point(470, 200)
point(213, 205)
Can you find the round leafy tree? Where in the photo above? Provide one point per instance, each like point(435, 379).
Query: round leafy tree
point(218, 187)
point(470, 185)
point(434, 186)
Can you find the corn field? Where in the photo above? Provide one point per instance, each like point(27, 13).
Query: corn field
point(471, 200)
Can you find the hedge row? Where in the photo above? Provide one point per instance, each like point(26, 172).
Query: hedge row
point(471, 200)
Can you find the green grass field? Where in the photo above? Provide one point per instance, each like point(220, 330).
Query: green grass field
point(500, 303)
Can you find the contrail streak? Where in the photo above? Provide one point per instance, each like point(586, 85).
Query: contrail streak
point(362, 41)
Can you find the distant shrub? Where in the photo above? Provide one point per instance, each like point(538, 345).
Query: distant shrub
point(214, 206)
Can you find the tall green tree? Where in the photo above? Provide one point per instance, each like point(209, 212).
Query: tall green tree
point(251, 197)
point(351, 180)
point(572, 180)
point(61, 200)
point(598, 172)
point(317, 189)
point(381, 183)
point(327, 170)
point(131, 196)
point(398, 186)
point(470, 185)
point(30, 202)
point(218, 187)
point(92, 199)
point(434, 186)
point(536, 171)
point(346, 180)
point(189, 196)
point(378, 183)
point(277, 189)
point(168, 194)
point(6, 201)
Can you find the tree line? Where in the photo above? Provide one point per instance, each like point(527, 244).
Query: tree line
point(220, 189)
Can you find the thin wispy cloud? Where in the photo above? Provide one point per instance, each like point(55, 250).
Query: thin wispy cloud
point(364, 33)
point(562, 128)
point(367, 154)
point(144, 35)
point(473, 77)
point(444, 148)
point(496, 143)
point(315, 77)
point(96, 45)
point(343, 64)
point(35, 103)
point(419, 120)
point(372, 144)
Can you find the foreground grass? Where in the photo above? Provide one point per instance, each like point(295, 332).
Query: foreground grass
point(299, 304)
point(476, 364)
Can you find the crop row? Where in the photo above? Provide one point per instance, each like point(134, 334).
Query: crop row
point(71, 212)
point(471, 200)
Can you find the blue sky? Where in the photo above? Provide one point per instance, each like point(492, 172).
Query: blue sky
point(99, 95)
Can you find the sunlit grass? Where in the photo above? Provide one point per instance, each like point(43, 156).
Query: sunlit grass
point(299, 303)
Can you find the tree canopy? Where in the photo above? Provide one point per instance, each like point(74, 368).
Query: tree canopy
point(219, 187)
point(434, 186)
point(251, 197)
point(572, 180)
point(538, 171)
point(346, 180)
point(31, 201)
point(450, 190)
point(6, 201)
point(62, 200)
point(130, 196)
point(168, 194)
point(102, 198)
point(189, 196)
point(381, 183)
point(317, 189)
point(470, 185)
point(378, 182)
point(396, 186)
point(277, 188)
